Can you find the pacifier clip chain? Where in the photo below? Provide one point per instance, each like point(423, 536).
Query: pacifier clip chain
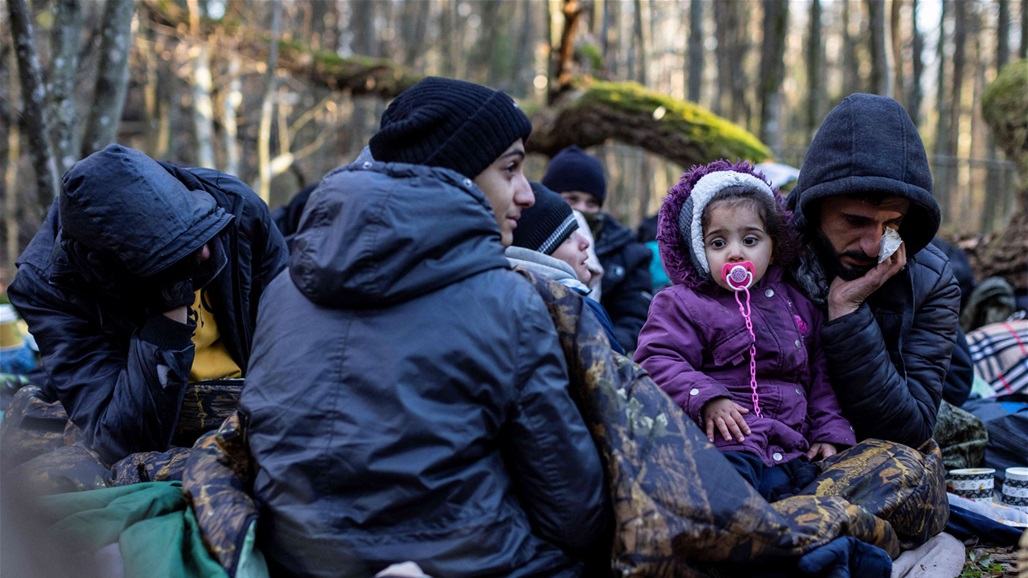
point(739, 276)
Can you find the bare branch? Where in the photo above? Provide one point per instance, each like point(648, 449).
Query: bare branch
point(33, 93)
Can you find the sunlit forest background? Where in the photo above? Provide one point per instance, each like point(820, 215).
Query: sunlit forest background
point(280, 92)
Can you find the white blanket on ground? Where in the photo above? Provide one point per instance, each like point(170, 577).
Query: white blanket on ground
point(940, 557)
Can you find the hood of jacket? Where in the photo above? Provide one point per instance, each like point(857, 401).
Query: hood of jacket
point(679, 249)
point(868, 144)
point(120, 209)
point(376, 234)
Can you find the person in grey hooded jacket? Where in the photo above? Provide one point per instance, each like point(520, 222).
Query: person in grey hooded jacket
point(891, 320)
point(407, 395)
point(143, 278)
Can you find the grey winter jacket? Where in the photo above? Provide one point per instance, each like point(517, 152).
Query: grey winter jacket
point(407, 395)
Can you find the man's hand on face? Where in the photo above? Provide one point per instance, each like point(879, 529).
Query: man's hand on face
point(844, 297)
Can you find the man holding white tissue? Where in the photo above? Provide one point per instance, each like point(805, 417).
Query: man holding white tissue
point(892, 319)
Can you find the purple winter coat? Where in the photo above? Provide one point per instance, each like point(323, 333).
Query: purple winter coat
point(695, 346)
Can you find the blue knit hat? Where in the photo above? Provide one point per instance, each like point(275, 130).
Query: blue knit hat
point(546, 224)
point(448, 123)
point(572, 169)
point(868, 144)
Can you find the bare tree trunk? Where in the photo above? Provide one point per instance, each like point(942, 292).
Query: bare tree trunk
point(641, 41)
point(975, 189)
point(850, 59)
point(201, 86)
point(943, 153)
point(230, 106)
point(915, 92)
point(881, 78)
point(9, 152)
point(564, 71)
point(33, 95)
point(63, 69)
point(526, 49)
point(1003, 34)
point(1022, 52)
point(740, 49)
point(899, 90)
point(363, 27)
point(695, 71)
point(267, 107)
point(815, 64)
point(960, 25)
point(609, 38)
point(414, 19)
point(112, 76)
point(203, 107)
point(723, 20)
point(325, 21)
point(772, 67)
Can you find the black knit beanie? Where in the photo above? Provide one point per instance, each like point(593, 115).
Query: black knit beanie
point(448, 123)
point(572, 169)
point(546, 224)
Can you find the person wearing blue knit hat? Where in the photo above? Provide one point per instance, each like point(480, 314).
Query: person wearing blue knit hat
point(864, 204)
point(625, 291)
point(549, 243)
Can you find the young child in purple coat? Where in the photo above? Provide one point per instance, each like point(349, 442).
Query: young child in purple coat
point(733, 341)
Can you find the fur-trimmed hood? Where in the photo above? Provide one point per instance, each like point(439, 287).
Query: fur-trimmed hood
point(684, 264)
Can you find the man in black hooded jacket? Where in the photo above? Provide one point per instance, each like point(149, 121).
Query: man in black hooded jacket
point(143, 278)
point(892, 321)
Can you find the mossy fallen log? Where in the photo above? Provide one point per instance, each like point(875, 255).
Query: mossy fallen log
point(680, 131)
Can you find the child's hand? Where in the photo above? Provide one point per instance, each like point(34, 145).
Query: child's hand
point(825, 450)
point(727, 416)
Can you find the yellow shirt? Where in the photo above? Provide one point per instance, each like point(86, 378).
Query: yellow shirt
point(211, 360)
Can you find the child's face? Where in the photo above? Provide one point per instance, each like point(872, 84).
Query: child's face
point(736, 233)
point(573, 252)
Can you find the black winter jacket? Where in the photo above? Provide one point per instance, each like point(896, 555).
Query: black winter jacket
point(407, 395)
point(120, 371)
point(888, 360)
point(625, 288)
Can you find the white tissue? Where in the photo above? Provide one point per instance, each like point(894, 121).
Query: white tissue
point(890, 242)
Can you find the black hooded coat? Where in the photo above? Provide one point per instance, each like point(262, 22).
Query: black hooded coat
point(120, 368)
point(888, 359)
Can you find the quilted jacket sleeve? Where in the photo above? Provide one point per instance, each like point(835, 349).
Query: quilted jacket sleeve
point(883, 400)
point(124, 399)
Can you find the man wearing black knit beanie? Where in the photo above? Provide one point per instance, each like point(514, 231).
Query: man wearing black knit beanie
point(625, 287)
point(408, 398)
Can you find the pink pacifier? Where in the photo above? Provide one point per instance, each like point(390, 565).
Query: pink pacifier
point(738, 276)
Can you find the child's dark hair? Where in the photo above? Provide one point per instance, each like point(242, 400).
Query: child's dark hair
point(774, 217)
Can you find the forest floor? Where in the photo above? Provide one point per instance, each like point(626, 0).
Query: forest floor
point(986, 561)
